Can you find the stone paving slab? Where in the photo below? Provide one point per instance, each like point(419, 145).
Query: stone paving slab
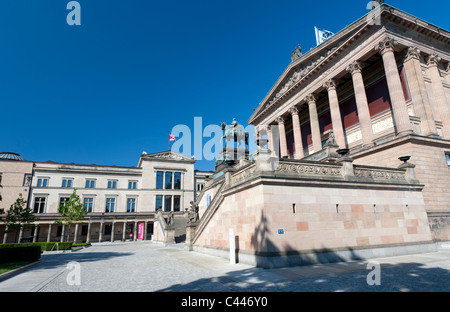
point(147, 267)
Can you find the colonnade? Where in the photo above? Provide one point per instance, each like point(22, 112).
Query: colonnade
point(402, 124)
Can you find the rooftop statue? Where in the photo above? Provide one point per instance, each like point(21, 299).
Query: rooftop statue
point(296, 53)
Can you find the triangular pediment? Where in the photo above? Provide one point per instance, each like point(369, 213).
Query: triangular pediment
point(167, 155)
point(298, 72)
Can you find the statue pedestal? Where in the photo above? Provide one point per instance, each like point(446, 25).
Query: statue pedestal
point(190, 232)
point(170, 235)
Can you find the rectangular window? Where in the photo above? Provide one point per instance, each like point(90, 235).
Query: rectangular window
point(131, 204)
point(42, 182)
point(448, 160)
point(62, 200)
point(159, 202)
point(159, 180)
point(168, 203)
point(110, 204)
point(39, 205)
point(90, 184)
point(66, 183)
point(168, 181)
point(88, 203)
point(176, 203)
point(112, 184)
point(177, 180)
point(132, 185)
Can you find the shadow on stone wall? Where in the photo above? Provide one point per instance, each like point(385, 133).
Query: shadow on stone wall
point(270, 256)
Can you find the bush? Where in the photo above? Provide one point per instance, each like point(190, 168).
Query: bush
point(43, 246)
point(81, 245)
point(19, 253)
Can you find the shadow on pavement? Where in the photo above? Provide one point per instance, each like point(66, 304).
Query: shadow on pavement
point(409, 277)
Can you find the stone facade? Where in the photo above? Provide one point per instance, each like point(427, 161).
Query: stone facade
point(304, 208)
point(121, 201)
point(373, 86)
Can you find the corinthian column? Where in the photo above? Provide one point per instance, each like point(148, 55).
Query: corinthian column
point(314, 122)
point(419, 92)
point(335, 112)
point(365, 122)
point(399, 109)
point(283, 141)
point(439, 94)
point(297, 133)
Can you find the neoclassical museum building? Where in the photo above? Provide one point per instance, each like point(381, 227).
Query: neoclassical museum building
point(358, 154)
point(353, 161)
point(121, 202)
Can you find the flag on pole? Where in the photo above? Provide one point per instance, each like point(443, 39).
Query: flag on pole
point(322, 35)
point(172, 138)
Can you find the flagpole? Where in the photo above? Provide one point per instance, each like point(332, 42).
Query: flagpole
point(169, 142)
point(317, 35)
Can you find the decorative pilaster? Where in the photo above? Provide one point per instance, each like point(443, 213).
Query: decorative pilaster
point(418, 90)
point(314, 122)
point(335, 112)
point(283, 141)
point(362, 105)
point(439, 94)
point(297, 133)
point(399, 109)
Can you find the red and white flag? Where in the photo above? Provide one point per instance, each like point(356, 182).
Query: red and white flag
point(172, 138)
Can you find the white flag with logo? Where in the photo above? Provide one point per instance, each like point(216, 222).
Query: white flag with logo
point(322, 35)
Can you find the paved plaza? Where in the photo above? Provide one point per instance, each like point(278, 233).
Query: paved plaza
point(147, 267)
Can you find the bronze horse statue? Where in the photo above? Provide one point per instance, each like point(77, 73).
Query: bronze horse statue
point(234, 132)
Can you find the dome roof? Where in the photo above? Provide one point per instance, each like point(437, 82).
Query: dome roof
point(11, 156)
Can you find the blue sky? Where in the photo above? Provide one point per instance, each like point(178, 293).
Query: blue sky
point(113, 87)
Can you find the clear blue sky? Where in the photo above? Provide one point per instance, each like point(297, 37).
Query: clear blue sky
point(113, 87)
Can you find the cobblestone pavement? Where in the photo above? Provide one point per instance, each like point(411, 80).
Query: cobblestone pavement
point(147, 267)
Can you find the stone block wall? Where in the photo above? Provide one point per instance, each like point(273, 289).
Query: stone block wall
point(274, 220)
point(431, 170)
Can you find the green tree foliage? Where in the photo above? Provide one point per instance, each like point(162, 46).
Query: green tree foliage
point(71, 210)
point(19, 215)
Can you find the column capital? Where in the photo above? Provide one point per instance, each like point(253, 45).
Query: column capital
point(293, 110)
point(387, 44)
point(280, 120)
point(433, 60)
point(412, 53)
point(355, 67)
point(330, 84)
point(311, 98)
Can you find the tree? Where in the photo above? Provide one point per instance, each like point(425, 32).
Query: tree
point(71, 210)
point(19, 216)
